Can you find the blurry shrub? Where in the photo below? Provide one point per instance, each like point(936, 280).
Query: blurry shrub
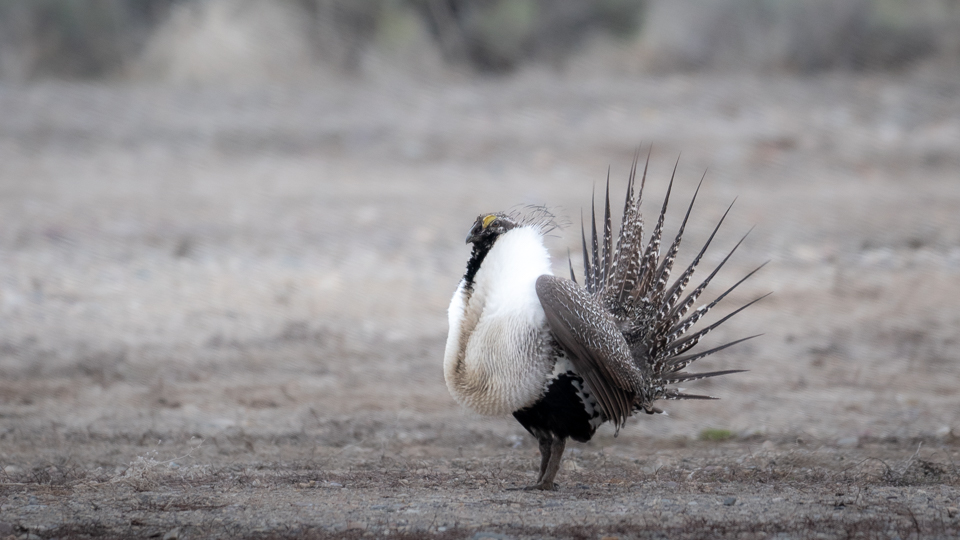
point(487, 35)
point(343, 29)
point(95, 38)
point(73, 38)
point(499, 35)
point(229, 41)
point(801, 35)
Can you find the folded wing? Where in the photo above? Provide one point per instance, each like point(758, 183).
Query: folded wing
point(594, 343)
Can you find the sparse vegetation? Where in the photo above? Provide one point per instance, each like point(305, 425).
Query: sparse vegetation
point(74, 38)
point(800, 35)
point(104, 38)
point(716, 435)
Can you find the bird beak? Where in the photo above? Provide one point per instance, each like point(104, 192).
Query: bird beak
point(474, 233)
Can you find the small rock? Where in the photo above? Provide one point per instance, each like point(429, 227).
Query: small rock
point(729, 501)
point(848, 442)
point(952, 511)
point(172, 534)
point(12, 469)
point(768, 446)
point(356, 526)
point(670, 485)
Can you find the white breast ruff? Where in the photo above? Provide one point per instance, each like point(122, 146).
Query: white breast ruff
point(495, 362)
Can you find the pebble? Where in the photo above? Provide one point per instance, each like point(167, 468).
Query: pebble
point(172, 534)
point(848, 442)
point(952, 511)
point(729, 501)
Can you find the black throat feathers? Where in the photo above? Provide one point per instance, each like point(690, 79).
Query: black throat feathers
point(480, 249)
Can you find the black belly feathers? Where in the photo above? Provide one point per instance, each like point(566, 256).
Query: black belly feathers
point(561, 412)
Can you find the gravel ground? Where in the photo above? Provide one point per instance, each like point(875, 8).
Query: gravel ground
point(223, 310)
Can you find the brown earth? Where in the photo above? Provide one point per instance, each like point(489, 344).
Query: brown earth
point(223, 311)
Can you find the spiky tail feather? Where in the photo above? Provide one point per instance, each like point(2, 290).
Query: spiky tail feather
point(631, 282)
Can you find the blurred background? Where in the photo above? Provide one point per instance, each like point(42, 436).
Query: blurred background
point(218, 40)
point(239, 216)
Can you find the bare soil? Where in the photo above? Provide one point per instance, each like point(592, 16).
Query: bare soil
point(222, 311)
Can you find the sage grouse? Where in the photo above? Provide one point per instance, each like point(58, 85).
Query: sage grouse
point(564, 358)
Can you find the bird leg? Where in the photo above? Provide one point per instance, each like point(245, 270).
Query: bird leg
point(551, 452)
point(544, 456)
point(553, 465)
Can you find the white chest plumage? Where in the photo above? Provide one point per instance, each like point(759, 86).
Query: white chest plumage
point(498, 353)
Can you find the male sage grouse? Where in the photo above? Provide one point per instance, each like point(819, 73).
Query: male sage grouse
point(564, 358)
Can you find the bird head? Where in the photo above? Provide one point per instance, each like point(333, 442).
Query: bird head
point(489, 227)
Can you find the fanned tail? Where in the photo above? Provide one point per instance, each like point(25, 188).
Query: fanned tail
point(632, 281)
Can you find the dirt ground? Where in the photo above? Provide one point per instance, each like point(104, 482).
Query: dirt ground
point(222, 311)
